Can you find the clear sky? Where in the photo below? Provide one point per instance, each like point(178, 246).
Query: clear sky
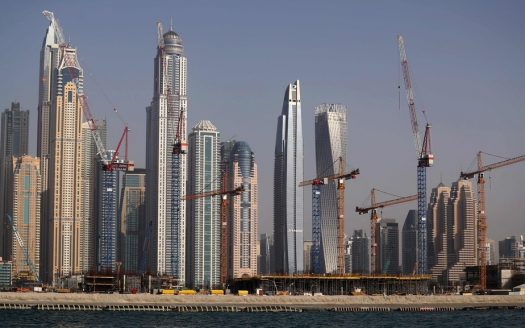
point(465, 57)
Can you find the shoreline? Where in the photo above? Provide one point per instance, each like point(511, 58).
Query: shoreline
point(252, 303)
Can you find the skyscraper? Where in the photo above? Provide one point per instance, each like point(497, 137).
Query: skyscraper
point(264, 261)
point(243, 212)
point(91, 167)
point(203, 239)
point(510, 247)
point(461, 233)
point(132, 217)
point(107, 192)
point(388, 242)
point(24, 207)
point(50, 57)
point(13, 142)
point(288, 173)
point(437, 229)
point(330, 145)
point(409, 251)
point(65, 168)
point(166, 172)
point(360, 254)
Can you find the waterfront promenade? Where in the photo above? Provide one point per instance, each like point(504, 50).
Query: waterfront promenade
point(299, 302)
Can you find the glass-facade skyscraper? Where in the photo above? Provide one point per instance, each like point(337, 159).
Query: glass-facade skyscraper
point(204, 232)
point(166, 182)
point(409, 236)
point(330, 145)
point(288, 196)
point(13, 142)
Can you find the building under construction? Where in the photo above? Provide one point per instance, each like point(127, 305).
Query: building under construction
point(334, 284)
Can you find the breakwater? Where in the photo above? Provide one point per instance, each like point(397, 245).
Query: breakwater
point(231, 303)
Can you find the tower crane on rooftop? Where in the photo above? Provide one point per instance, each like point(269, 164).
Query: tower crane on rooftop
point(425, 159)
point(373, 219)
point(109, 162)
point(340, 177)
point(482, 216)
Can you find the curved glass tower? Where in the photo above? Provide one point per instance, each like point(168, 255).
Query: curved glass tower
point(288, 196)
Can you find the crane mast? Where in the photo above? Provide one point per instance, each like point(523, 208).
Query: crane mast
point(23, 247)
point(340, 178)
point(424, 159)
point(482, 216)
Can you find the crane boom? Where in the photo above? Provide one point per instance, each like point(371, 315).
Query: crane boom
point(23, 247)
point(482, 216)
point(236, 191)
point(374, 219)
point(364, 210)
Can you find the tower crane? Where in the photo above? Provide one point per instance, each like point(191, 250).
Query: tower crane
point(425, 159)
point(482, 216)
point(20, 241)
point(224, 193)
point(373, 218)
point(340, 177)
point(109, 162)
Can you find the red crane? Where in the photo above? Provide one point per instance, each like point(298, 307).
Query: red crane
point(374, 218)
point(482, 216)
point(341, 176)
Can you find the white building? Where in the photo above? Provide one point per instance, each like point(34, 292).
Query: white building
point(166, 172)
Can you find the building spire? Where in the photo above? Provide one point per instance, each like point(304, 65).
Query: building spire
point(171, 23)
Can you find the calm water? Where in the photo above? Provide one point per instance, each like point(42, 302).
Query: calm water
point(478, 319)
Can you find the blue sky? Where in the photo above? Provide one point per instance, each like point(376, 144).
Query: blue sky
point(465, 57)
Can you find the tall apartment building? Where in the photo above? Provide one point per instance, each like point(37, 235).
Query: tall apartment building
point(264, 261)
point(437, 230)
point(511, 247)
point(409, 249)
point(50, 59)
point(13, 142)
point(330, 145)
point(60, 150)
point(132, 219)
point(288, 173)
point(348, 255)
point(107, 194)
point(243, 209)
point(24, 187)
point(91, 167)
point(387, 239)
point(462, 236)
point(360, 252)
point(203, 233)
point(166, 182)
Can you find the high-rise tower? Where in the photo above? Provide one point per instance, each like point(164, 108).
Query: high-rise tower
point(330, 145)
point(242, 259)
point(204, 213)
point(166, 172)
point(65, 168)
point(50, 56)
point(409, 237)
point(288, 196)
point(13, 142)
point(24, 207)
point(438, 227)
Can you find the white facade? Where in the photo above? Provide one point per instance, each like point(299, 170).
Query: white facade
point(166, 173)
point(330, 145)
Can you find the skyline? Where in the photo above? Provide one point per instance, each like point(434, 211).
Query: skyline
point(459, 85)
